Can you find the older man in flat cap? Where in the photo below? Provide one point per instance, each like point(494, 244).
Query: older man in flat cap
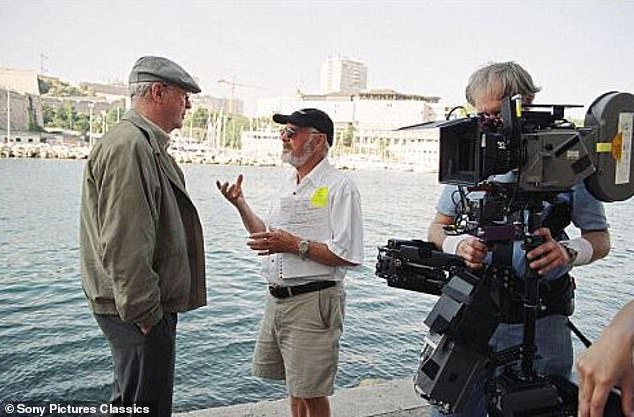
point(313, 233)
point(142, 255)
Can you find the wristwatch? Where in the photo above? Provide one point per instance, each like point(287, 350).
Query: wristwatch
point(303, 248)
point(572, 252)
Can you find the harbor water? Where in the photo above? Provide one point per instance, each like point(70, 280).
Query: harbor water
point(51, 348)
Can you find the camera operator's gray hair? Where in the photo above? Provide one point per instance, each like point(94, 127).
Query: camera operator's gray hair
point(499, 80)
point(139, 89)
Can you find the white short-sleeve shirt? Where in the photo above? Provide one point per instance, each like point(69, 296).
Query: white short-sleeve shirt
point(324, 207)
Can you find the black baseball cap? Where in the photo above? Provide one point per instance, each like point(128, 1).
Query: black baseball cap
point(314, 118)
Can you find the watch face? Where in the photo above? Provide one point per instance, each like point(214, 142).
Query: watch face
point(572, 253)
point(303, 248)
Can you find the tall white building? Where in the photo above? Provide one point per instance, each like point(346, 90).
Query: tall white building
point(371, 109)
point(343, 74)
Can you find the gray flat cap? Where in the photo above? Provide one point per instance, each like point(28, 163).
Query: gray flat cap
point(156, 68)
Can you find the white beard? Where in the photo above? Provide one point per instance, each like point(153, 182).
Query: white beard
point(298, 161)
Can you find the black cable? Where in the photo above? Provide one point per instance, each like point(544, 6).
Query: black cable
point(454, 109)
point(578, 333)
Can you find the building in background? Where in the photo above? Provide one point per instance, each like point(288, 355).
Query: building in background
point(366, 120)
point(366, 125)
point(20, 81)
point(111, 93)
point(28, 101)
point(342, 74)
point(21, 106)
point(218, 104)
point(375, 109)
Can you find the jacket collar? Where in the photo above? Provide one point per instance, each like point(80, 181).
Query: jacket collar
point(159, 141)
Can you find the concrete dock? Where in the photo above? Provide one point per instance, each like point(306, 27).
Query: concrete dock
point(394, 398)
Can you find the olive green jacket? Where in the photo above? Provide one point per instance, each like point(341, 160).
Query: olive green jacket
point(141, 241)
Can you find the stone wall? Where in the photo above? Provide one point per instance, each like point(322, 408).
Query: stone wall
point(82, 104)
point(26, 110)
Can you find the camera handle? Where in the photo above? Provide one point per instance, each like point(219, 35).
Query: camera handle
point(532, 221)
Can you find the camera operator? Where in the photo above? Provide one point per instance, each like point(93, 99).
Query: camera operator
point(606, 363)
point(553, 258)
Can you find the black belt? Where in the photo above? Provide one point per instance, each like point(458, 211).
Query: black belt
point(278, 291)
point(556, 297)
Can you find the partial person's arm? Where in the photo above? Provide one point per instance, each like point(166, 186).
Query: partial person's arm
point(344, 248)
point(607, 363)
point(468, 247)
point(588, 214)
point(234, 194)
point(600, 241)
point(436, 231)
point(280, 241)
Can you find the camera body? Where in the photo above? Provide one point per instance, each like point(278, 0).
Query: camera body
point(548, 153)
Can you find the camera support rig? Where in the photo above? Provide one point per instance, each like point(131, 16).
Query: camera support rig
point(523, 391)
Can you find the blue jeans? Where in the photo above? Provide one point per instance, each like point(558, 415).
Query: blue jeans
point(554, 347)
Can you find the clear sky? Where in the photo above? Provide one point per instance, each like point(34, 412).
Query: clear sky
point(575, 49)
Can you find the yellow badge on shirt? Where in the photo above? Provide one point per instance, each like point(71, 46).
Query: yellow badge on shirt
point(320, 198)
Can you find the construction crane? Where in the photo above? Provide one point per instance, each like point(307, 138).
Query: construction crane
point(233, 85)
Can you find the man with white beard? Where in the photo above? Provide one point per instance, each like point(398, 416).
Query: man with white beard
point(313, 233)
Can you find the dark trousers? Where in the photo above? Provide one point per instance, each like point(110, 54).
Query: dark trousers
point(143, 365)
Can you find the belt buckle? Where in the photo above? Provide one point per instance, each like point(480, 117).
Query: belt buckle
point(280, 291)
point(273, 289)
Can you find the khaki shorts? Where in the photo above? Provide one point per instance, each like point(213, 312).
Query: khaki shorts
point(299, 341)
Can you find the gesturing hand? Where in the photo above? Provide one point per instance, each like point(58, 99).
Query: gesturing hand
point(273, 241)
point(232, 192)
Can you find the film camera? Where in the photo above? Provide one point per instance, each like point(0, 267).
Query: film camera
point(516, 163)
